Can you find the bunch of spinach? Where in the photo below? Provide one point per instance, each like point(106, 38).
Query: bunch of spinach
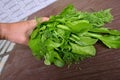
point(70, 36)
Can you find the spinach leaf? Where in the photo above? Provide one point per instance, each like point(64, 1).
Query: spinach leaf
point(69, 36)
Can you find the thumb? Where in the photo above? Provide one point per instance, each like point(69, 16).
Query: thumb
point(33, 24)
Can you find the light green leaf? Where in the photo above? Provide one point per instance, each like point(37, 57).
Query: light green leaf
point(79, 26)
point(83, 50)
point(111, 41)
point(105, 30)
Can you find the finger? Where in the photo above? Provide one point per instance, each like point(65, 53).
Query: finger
point(45, 19)
point(33, 24)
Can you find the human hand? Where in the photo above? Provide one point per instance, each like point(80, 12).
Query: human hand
point(19, 32)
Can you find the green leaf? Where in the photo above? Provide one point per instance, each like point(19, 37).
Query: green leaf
point(68, 10)
point(83, 50)
point(34, 45)
point(53, 57)
point(111, 41)
point(79, 26)
point(63, 27)
point(52, 44)
point(105, 30)
point(49, 58)
point(58, 60)
point(83, 40)
point(34, 34)
point(98, 19)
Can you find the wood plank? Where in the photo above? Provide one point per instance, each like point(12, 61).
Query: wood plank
point(21, 65)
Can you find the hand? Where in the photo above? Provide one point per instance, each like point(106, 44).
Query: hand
point(19, 32)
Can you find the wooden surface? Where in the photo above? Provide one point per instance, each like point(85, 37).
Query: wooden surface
point(21, 65)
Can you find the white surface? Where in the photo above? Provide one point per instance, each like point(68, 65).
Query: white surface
point(16, 10)
point(5, 46)
point(2, 63)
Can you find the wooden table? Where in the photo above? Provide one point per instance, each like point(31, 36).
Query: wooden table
point(21, 65)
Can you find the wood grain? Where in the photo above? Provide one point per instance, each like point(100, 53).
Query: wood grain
point(21, 65)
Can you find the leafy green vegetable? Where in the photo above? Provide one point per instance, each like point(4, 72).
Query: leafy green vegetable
point(83, 50)
point(105, 31)
point(79, 26)
point(111, 41)
point(70, 36)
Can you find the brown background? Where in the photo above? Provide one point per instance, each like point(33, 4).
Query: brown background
point(21, 65)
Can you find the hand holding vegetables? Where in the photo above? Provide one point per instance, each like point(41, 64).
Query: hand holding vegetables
point(18, 32)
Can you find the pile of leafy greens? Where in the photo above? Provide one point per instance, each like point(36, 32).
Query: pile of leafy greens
point(70, 36)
